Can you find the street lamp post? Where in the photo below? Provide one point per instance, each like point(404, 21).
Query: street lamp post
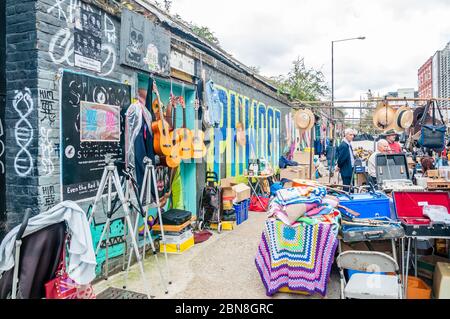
point(333, 113)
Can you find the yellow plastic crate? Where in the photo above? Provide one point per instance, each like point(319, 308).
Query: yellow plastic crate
point(226, 225)
point(177, 248)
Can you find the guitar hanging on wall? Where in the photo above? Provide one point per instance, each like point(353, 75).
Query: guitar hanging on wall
point(186, 138)
point(174, 159)
point(161, 129)
point(198, 145)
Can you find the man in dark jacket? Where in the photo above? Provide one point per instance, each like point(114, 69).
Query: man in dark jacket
point(345, 158)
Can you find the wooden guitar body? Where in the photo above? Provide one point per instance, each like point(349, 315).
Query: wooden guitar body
point(161, 138)
point(173, 159)
point(186, 140)
point(198, 146)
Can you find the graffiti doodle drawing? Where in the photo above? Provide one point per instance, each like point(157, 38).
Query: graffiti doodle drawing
point(57, 5)
point(62, 39)
point(110, 30)
point(47, 150)
point(2, 149)
point(23, 104)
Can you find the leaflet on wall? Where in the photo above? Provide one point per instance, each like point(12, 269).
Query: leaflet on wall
point(146, 46)
point(92, 125)
point(88, 41)
point(99, 122)
point(182, 62)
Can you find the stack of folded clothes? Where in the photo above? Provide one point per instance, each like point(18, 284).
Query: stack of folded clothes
point(299, 240)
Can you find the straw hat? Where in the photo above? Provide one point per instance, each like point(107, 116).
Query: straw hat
point(304, 119)
point(404, 118)
point(383, 116)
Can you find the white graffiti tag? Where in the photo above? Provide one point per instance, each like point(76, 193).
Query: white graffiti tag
point(110, 30)
point(61, 50)
point(57, 5)
point(23, 104)
point(2, 149)
point(62, 42)
point(47, 150)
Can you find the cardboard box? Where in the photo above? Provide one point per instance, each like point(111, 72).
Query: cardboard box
point(228, 192)
point(242, 192)
point(293, 172)
point(433, 173)
point(227, 182)
point(302, 157)
point(441, 281)
point(426, 265)
point(309, 171)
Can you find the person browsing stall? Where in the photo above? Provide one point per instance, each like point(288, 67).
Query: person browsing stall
point(394, 146)
point(345, 158)
point(382, 148)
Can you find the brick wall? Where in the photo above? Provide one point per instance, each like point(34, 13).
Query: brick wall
point(21, 116)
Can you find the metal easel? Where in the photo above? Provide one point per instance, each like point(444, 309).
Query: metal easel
point(111, 176)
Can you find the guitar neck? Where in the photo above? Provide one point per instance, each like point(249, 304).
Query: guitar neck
point(184, 117)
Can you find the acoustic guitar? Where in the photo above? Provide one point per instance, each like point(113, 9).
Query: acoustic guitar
point(198, 145)
point(161, 129)
point(186, 138)
point(174, 159)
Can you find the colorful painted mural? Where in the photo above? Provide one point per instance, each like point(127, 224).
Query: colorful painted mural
point(262, 125)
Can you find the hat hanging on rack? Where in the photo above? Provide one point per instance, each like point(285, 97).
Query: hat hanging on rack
point(304, 119)
point(383, 116)
point(404, 118)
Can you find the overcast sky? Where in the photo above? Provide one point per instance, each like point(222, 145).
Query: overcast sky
point(400, 36)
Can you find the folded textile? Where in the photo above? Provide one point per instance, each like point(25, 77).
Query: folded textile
point(295, 195)
point(82, 261)
point(289, 214)
point(298, 258)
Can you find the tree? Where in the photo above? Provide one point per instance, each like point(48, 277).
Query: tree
point(201, 31)
point(302, 83)
point(255, 69)
point(204, 32)
point(166, 5)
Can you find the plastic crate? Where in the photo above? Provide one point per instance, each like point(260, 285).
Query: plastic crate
point(241, 210)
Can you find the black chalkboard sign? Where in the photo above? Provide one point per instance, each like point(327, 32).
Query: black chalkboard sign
point(83, 162)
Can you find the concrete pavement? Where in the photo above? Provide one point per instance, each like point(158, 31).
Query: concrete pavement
point(222, 267)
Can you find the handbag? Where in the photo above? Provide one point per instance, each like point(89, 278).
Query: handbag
point(62, 287)
point(255, 204)
point(432, 136)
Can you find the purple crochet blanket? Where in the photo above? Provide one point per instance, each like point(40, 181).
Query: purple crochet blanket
point(298, 257)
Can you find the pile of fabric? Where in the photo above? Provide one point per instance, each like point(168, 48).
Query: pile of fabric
point(299, 240)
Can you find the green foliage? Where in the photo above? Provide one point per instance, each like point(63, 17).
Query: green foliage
point(201, 31)
point(302, 83)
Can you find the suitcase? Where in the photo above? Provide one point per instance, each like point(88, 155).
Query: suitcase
point(368, 205)
point(176, 217)
point(408, 208)
point(391, 167)
point(352, 233)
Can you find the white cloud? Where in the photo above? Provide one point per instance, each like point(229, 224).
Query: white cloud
point(400, 36)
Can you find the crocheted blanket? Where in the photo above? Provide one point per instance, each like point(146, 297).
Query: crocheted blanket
point(298, 258)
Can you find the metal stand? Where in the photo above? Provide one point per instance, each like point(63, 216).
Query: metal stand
point(111, 176)
point(144, 215)
point(148, 183)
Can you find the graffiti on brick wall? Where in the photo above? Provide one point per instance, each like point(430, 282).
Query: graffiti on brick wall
point(2, 148)
point(47, 149)
point(262, 125)
point(61, 46)
point(48, 196)
point(23, 104)
point(47, 107)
